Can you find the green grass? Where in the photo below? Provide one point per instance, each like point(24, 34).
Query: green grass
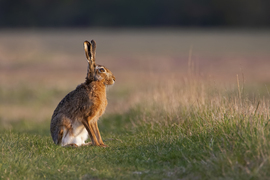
point(195, 145)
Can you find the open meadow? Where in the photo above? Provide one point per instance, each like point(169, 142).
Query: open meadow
point(187, 104)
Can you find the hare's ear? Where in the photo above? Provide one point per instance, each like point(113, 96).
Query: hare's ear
point(90, 51)
point(87, 49)
point(93, 50)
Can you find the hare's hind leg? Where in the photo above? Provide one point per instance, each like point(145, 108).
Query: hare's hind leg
point(67, 132)
point(61, 138)
point(74, 134)
point(57, 137)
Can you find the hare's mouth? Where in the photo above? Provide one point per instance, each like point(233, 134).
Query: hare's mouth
point(109, 83)
point(108, 86)
point(112, 83)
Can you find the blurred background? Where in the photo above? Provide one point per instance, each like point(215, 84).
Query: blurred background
point(140, 13)
point(143, 41)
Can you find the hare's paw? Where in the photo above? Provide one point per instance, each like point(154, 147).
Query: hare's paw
point(87, 144)
point(103, 145)
point(71, 145)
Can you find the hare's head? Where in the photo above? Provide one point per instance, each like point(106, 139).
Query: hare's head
point(96, 72)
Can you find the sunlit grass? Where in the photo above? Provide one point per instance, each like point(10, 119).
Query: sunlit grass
point(177, 130)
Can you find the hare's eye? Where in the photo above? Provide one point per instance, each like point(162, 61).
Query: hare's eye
point(101, 70)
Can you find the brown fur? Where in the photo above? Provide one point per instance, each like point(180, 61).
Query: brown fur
point(85, 104)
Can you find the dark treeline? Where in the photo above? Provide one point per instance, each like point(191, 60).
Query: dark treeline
point(131, 13)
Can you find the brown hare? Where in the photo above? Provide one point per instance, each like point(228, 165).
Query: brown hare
point(77, 114)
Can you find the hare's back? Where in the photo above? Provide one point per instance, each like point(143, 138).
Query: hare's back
point(74, 104)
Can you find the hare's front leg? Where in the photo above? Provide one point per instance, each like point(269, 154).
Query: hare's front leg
point(91, 126)
point(94, 127)
point(98, 135)
point(91, 132)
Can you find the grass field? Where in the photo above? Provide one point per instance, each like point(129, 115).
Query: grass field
point(186, 104)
